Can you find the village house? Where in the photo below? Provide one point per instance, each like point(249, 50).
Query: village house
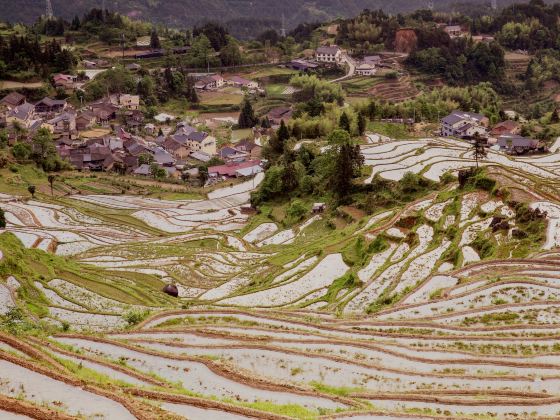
point(200, 141)
point(250, 147)
point(240, 82)
point(177, 145)
point(235, 170)
point(276, 115)
point(12, 100)
point(505, 127)
point(129, 101)
point(104, 111)
point(329, 54)
point(163, 158)
point(63, 123)
point(50, 106)
point(366, 69)
point(134, 67)
point(514, 143)
point(65, 81)
point(85, 120)
point(464, 124)
point(232, 154)
point(454, 31)
point(302, 65)
point(22, 115)
point(197, 157)
point(212, 82)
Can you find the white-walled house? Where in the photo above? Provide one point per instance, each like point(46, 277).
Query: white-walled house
point(366, 69)
point(464, 124)
point(329, 54)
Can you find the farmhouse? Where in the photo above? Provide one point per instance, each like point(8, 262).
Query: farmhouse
point(85, 120)
point(12, 99)
point(22, 115)
point(505, 127)
point(235, 170)
point(65, 81)
point(243, 83)
point(48, 105)
point(276, 115)
point(513, 143)
point(200, 141)
point(366, 69)
point(63, 123)
point(210, 82)
point(464, 124)
point(302, 65)
point(329, 54)
point(454, 31)
point(129, 101)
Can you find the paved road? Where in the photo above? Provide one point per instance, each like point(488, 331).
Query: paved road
point(351, 68)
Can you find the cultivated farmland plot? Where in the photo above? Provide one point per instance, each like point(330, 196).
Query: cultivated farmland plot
point(450, 310)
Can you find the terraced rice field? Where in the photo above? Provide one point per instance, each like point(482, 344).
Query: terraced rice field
point(441, 315)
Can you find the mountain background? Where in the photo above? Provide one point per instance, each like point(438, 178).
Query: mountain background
point(242, 17)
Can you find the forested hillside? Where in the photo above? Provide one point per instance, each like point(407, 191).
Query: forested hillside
point(182, 13)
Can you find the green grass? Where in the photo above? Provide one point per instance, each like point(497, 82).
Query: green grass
point(360, 84)
point(240, 134)
point(275, 89)
point(394, 131)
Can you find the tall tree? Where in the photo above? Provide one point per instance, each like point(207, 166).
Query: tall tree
point(247, 117)
point(478, 150)
point(362, 123)
point(347, 162)
point(344, 122)
point(31, 189)
point(2, 219)
point(155, 43)
point(51, 179)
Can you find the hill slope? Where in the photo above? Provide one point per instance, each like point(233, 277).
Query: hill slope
point(188, 12)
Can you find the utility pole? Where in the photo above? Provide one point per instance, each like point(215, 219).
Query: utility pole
point(122, 45)
point(49, 10)
point(283, 28)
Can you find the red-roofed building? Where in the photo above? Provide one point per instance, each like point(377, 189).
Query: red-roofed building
point(234, 170)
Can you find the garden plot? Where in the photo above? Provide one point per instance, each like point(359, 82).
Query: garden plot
point(401, 376)
point(420, 268)
point(302, 266)
point(469, 255)
point(261, 232)
point(376, 262)
point(374, 289)
point(17, 381)
point(244, 187)
point(435, 212)
point(487, 297)
point(320, 277)
point(102, 369)
point(70, 232)
point(195, 376)
point(196, 413)
point(86, 297)
point(423, 293)
point(87, 320)
point(284, 237)
point(6, 300)
point(55, 299)
point(553, 217)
